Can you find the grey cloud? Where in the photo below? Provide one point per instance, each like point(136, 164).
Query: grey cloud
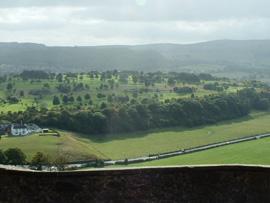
point(157, 10)
point(92, 22)
point(62, 3)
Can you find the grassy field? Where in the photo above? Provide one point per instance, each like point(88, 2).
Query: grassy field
point(78, 147)
point(52, 145)
point(159, 91)
point(250, 152)
point(120, 146)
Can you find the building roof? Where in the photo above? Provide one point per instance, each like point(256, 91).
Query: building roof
point(18, 126)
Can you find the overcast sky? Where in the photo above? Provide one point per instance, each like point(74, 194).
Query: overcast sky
point(107, 22)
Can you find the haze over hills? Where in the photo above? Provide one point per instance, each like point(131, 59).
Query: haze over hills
point(247, 55)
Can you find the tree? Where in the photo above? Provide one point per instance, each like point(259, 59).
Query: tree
point(9, 86)
point(71, 99)
point(171, 81)
point(60, 162)
point(79, 99)
point(21, 94)
point(263, 104)
point(99, 162)
point(103, 105)
point(56, 100)
point(65, 99)
point(59, 77)
point(14, 156)
point(135, 79)
point(2, 157)
point(99, 95)
point(147, 83)
point(39, 160)
point(100, 122)
point(46, 85)
point(135, 93)
point(87, 97)
point(110, 98)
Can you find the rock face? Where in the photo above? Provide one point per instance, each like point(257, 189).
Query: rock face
point(230, 183)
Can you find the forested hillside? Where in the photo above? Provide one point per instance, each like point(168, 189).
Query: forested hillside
point(222, 55)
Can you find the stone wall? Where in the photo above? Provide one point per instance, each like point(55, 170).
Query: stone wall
point(230, 183)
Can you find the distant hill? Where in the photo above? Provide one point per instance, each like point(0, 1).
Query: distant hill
point(230, 54)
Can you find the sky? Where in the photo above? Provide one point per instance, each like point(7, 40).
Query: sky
point(131, 22)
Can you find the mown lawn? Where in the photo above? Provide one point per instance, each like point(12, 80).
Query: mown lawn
point(250, 152)
point(128, 145)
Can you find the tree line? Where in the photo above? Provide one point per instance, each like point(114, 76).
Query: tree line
point(15, 156)
point(132, 117)
point(128, 117)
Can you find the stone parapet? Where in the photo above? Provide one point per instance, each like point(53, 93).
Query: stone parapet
point(211, 183)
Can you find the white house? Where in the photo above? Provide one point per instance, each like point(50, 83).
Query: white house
point(18, 129)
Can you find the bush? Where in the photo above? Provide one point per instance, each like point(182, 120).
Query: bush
point(39, 160)
point(2, 157)
point(99, 162)
point(72, 168)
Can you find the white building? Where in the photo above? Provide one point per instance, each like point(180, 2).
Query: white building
point(33, 128)
point(18, 129)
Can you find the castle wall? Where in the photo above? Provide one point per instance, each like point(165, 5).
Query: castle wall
point(229, 183)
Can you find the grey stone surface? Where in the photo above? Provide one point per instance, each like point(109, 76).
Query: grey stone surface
point(228, 183)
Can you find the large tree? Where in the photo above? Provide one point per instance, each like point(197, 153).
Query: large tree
point(14, 156)
point(60, 162)
point(71, 99)
point(65, 99)
point(87, 96)
point(59, 77)
point(39, 160)
point(9, 86)
point(56, 100)
point(79, 99)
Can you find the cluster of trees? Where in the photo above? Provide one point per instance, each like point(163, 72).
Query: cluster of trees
point(214, 87)
point(183, 90)
point(12, 156)
point(63, 88)
point(133, 116)
point(3, 78)
point(34, 74)
point(15, 156)
point(40, 160)
point(12, 100)
point(39, 91)
point(186, 77)
point(176, 112)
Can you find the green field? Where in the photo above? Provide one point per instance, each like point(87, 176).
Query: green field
point(52, 145)
point(77, 146)
point(128, 145)
point(250, 152)
point(159, 91)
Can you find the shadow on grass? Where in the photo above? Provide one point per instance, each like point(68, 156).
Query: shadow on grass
point(236, 120)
